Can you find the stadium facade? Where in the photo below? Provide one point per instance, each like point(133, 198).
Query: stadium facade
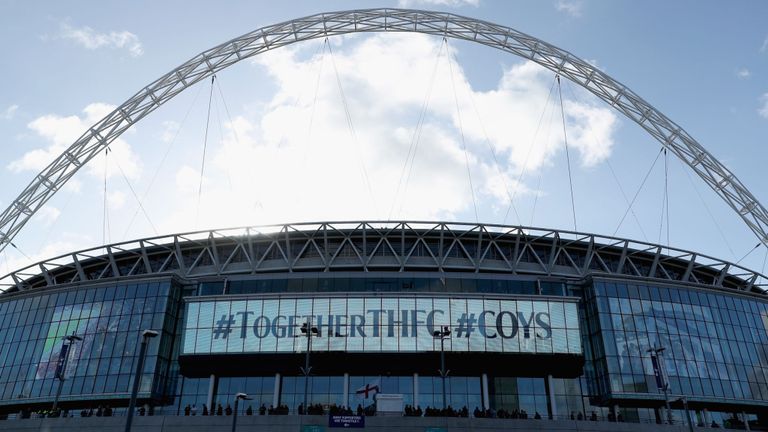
point(551, 322)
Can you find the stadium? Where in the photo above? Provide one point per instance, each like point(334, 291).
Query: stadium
point(505, 321)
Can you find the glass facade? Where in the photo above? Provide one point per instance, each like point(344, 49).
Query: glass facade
point(109, 319)
point(599, 330)
point(716, 344)
point(380, 324)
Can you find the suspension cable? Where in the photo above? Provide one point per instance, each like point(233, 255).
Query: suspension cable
point(638, 190)
point(461, 131)
point(135, 196)
point(749, 253)
point(547, 142)
point(528, 156)
point(205, 147)
point(105, 212)
point(567, 154)
point(163, 159)
point(495, 159)
point(709, 212)
point(415, 138)
point(353, 132)
point(664, 204)
point(569, 88)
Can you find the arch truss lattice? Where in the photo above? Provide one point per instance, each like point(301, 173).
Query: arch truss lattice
point(100, 135)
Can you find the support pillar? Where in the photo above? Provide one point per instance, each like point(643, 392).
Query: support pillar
point(484, 388)
point(707, 418)
point(345, 398)
point(551, 394)
point(211, 392)
point(276, 391)
point(415, 390)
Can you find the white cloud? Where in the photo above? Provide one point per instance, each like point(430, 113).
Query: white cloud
point(763, 110)
point(61, 131)
point(743, 73)
point(573, 8)
point(9, 112)
point(764, 47)
point(271, 168)
point(91, 39)
point(47, 215)
point(169, 131)
point(116, 199)
point(449, 3)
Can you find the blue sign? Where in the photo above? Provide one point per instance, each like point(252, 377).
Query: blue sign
point(346, 421)
point(62, 362)
point(312, 428)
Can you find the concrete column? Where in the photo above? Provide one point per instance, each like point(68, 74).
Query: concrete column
point(616, 412)
point(345, 398)
point(276, 392)
point(211, 391)
point(746, 420)
point(551, 393)
point(484, 389)
point(415, 390)
point(707, 418)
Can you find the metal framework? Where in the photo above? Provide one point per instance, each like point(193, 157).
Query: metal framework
point(101, 134)
point(385, 246)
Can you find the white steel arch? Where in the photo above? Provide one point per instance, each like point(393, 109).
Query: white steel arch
point(100, 135)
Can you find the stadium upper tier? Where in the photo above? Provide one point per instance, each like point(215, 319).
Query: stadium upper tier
point(385, 246)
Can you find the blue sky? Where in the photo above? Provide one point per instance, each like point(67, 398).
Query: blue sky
point(280, 148)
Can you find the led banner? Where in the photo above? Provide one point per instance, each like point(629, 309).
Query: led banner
point(381, 324)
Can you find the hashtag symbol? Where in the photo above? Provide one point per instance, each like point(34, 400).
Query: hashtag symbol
point(466, 325)
point(224, 326)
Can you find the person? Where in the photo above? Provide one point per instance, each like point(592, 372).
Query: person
point(108, 411)
point(187, 410)
point(262, 409)
point(301, 409)
point(536, 415)
point(99, 411)
point(228, 410)
point(593, 417)
point(205, 410)
point(142, 411)
point(359, 409)
point(580, 416)
point(219, 409)
point(194, 409)
point(249, 411)
point(573, 417)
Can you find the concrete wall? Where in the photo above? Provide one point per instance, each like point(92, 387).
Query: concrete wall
point(294, 424)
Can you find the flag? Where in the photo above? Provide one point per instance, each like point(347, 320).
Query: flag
point(368, 390)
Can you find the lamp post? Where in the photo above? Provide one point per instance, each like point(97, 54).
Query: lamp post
point(306, 331)
point(61, 366)
point(443, 334)
point(145, 336)
point(661, 376)
point(238, 396)
point(684, 400)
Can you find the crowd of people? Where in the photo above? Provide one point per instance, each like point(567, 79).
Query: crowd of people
point(191, 410)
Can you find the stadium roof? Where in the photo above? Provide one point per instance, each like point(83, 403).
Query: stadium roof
point(385, 246)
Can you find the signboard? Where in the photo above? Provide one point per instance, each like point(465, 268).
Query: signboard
point(312, 428)
point(346, 421)
point(660, 384)
point(382, 324)
point(61, 363)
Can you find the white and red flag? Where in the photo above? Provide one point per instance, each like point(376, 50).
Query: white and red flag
point(367, 391)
